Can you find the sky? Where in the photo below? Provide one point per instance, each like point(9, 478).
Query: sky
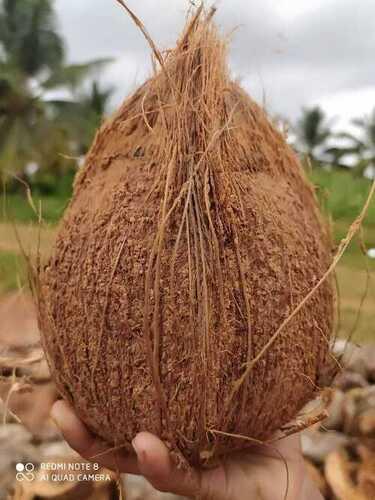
point(288, 54)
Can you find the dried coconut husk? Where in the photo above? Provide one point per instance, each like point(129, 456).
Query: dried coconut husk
point(191, 237)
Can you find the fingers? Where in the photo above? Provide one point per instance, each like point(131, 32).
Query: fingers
point(152, 458)
point(84, 443)
point(156, 465)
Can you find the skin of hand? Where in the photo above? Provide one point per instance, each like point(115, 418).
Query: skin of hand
point(258, 473)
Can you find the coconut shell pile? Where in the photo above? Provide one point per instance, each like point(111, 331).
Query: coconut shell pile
point(191, 237)
point(340, 452)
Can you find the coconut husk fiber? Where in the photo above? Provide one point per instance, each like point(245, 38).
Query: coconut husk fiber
point(191, 236)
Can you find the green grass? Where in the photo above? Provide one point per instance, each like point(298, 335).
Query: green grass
point(16, 207)
point(357, 285)
point(12, 271)
point(342, 196)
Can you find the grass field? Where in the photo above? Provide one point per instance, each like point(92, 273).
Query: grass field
point(341, 195)
point(18, 208)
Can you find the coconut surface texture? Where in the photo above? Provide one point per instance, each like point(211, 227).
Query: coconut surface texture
point(191, 236)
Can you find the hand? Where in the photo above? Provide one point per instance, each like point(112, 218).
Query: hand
point(258, 473)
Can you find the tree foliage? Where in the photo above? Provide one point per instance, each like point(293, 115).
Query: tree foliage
point(315, 139)
point(312, 130)
point(362, 143)
point(33, 127)
point(28, 36)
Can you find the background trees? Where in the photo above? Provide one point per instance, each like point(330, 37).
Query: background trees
point(35, 127)
point(312, 132)
point(41, 132)
point(362, 144)
point(315, 138)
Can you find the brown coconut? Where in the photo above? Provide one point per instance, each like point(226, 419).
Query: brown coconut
point(191, 237)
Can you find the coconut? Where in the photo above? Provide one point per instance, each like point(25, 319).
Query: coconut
point(191, 237)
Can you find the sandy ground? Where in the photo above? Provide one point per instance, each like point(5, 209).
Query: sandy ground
point(29, 235)
point(19, 337)
point(18, 324)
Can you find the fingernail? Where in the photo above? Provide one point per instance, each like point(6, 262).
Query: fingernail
point(54, 420)
point(141, 454)
point(54, 413)
point(58, 413)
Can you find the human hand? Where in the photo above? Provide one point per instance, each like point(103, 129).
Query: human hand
point(258, 473)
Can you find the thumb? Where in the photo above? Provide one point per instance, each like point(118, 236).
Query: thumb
point(156, 465)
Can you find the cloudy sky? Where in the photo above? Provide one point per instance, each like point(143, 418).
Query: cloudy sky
point(288, 53)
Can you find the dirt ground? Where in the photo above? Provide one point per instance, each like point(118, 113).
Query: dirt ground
point(30, 235)
point(18, 325)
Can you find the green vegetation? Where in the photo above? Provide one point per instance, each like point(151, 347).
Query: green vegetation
point(314, 138)
point(12, 274)
point(18, 209)
point(343, 195)
point(361, 145)
point(39, 134)
point(357, 284)
point(312, 131)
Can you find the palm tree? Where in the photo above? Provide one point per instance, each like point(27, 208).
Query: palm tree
point(29, 45)
point(28, 36)
point(83, 115)
point(93, 106)
point(32, 63)
point(362, 145)
point(312, 132)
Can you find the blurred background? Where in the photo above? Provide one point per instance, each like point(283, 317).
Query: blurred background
point(66, 65)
